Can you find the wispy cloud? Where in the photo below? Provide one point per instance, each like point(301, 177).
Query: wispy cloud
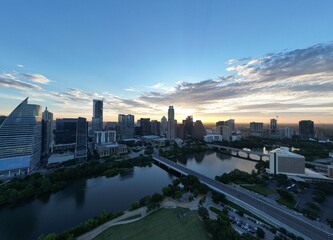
point(19, 65)
point(130, 90)
point(288, 82)
point(36, 78)
point(8, 80)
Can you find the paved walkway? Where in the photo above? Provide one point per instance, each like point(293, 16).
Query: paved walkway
point(166, 203)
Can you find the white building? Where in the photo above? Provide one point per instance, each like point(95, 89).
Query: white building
point(103, 137)
point(286, 133)
point(281, 160)
point(213, 138)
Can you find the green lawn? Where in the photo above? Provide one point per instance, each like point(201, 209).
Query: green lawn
point(290, 205)
point(259, 189)
point(163, 224)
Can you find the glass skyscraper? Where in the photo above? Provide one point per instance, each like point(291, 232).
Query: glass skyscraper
point(20, 138)
point(97, 120)
point(126, 126)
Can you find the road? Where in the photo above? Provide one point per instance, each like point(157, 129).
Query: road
point(277, 215)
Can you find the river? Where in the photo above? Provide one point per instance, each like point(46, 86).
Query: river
point(86, 198)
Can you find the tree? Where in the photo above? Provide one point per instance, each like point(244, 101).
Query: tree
point(135, 205)
point(260, 233)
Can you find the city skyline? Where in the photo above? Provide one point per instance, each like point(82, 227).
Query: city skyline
point(205, 64)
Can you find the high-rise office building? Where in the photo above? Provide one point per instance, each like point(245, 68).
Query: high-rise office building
point(256, 129)
point(126, 126)
point(273, 127)
point(145, 126)
point(47, 134)
point(225, 131)
point(72, 131)
point(171, 113)
point(172, 124)
point(256, 126)
point(181, 131)
point(188, 126)
point(20, 138)
point(199, 130)
point(2, 119)
point(164, 126)
point(97, 119)
point(155, 127)
point(229, 123)
point(104, 137)
point(286, 133)
point(306, 129)
point(81, 139)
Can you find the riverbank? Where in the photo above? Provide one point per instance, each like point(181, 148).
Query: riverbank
point(36, 185)
point(167, 203)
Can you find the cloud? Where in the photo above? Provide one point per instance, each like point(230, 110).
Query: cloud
point(19, 65)
point(130, 90)
point(37, 78)
point(158, 86)
point(288, 82)
point(304, 75)
point(7, 80)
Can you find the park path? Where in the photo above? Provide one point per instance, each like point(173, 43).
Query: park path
point(166, 203)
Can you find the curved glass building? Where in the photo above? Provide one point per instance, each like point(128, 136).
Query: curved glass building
point(20, 138)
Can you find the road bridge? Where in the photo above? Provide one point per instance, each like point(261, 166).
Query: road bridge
point(238, 151)
point(277, 215)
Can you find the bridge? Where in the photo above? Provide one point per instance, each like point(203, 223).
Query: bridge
point(238, 151)
point(275, 214)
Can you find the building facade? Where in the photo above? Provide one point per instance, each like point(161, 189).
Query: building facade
point(126, 126)
point(20, 138)
point(172, 124)
point(306, 129)
point(97, 119)
point(282, 161)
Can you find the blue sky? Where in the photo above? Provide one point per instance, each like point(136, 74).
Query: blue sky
point(210, 59)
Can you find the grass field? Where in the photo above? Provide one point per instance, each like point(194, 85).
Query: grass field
point(290, 205)
point(164, 224)
point(259, 189)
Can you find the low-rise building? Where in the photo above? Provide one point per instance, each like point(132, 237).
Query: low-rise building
point(112, 149)
point(213, 138)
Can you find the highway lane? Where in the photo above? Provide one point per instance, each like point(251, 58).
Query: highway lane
point(302, 227)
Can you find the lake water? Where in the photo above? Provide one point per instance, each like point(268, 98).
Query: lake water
point(87, 198)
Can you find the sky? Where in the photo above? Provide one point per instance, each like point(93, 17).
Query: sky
point(215, 60)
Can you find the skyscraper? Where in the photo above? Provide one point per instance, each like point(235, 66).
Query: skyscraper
point(155, 127)
point(145, 126)
point(164, 126)
point(97, 120)
point(47, 135)
point(126, 126)
point(20, 138)
point(172, 124)
point(171, 113)
point(188, 126)
point(81, 139)
point(72, 131)
point(306, 129)
point(199, 130)
point(273, 126)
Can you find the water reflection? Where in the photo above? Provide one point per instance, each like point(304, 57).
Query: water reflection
point(81, 200)
point(212, 163)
